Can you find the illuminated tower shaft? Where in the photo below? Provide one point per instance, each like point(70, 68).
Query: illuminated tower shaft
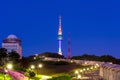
point(60, 38)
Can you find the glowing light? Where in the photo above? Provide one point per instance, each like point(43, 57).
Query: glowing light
point(71, 61)
point(9, 66)
point(59, 49)
point(32, 67)
point(87, 68)
point(34, 57)
point(6, 70)
point(40, 65)
point(85, 63)
point(91, 68)
point(60, 38)
point(60, 53)
point(97, 65)
point(111, 63)
point(79, 76)
point(59, 31)
point(76, 72)
point(58, 60)
point(81, 71)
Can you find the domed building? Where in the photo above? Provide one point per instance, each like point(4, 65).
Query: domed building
point(12, 43)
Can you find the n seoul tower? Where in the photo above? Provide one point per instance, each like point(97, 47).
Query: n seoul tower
point(60, 38)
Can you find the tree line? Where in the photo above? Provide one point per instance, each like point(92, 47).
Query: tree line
point(103, 58)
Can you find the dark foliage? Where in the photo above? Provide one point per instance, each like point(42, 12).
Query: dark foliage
point(86, 57)
point(49, 54)
point(14, 56)
point(31, 74)
point(55, 62)
point(3, 52)
point(104, 58)
point(107, 58)
point(25, 62)
point(3, 56)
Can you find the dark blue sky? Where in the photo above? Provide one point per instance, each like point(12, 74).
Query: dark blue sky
point(94, 25)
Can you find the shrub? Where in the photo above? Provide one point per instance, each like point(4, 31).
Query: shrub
point(31, 74)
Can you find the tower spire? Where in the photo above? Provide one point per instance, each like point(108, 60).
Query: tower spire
point(60, 26)
point(59, 20)
point(60, 38)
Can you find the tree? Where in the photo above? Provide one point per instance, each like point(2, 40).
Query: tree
point(49, 54)
point(31, 74)
point(25, 62)
point(87, 57)
point(108, 58)
point(3, 56)
point(14, 56)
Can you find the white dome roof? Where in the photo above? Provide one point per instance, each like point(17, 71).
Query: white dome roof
point(12, 36)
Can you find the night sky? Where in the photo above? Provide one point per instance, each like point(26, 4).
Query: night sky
point(94, 25)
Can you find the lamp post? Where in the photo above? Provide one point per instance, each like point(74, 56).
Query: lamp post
point(76, 73)
point(9, 66)
point(32, 67)
point(81, 71)
point(79, 76)
point(39, 66)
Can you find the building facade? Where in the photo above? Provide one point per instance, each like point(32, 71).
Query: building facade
point(12, 43)
point(110, 71)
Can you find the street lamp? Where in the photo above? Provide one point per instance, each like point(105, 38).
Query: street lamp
point(30, 70)
point(76, 73)
point(95, 67)
point(88, 69)
point(79, 76)
point(9, 66)
point(84, 69)
point(32, 67)
point(91, 68)
point(40, 65)
point(81, 71)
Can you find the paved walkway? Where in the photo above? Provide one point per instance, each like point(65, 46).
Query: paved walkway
point(16, 75)
point(91, 75)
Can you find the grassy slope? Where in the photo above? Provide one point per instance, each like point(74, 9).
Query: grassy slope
point(7, 77)
point(50, 68)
